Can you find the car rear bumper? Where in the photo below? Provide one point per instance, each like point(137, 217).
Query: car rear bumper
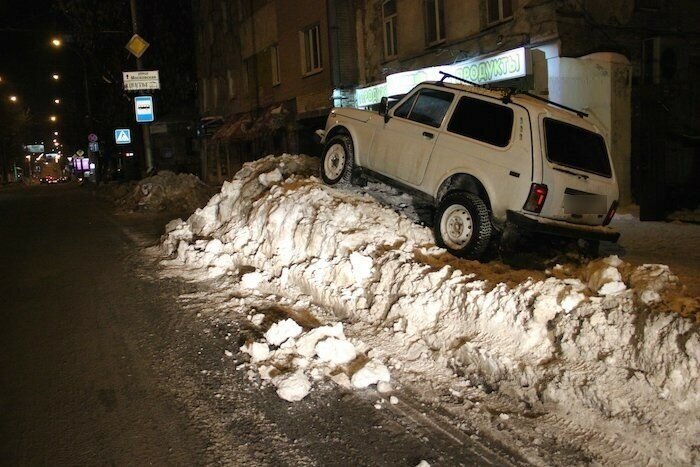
point(531, 223)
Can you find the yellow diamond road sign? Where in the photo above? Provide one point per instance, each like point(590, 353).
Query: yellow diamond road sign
point(137, 45)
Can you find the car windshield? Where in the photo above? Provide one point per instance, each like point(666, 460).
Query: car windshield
point(575, 147)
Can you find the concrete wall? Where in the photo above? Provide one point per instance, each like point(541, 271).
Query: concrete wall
point(601, 85)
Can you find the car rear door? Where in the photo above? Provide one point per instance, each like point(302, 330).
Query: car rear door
point(577, 170)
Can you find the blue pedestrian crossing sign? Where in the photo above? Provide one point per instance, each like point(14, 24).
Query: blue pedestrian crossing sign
point(143, 107)
point(122, 136)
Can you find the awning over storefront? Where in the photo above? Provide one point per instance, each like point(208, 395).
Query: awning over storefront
point(208, 126)
point(243, 127)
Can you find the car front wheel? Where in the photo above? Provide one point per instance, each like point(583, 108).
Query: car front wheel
point(338, 160)
point(463, 225)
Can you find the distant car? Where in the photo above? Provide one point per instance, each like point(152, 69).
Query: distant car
point(48, 180)
point(485, 159)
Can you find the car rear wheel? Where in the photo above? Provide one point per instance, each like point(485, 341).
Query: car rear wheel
point(338, 160)
point(463, 225)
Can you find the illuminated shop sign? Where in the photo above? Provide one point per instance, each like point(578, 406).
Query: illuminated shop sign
point(508, 65)
point(504, 66)
point(371, 95)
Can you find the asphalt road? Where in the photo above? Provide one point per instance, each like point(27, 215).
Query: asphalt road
point(77, 385)
point(102, 366)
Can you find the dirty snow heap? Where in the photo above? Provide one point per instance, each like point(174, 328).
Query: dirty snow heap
point(593, 344)
point(161, 192)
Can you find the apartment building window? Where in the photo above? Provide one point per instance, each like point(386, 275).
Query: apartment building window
point(434, 13)
point(275, 64)
point(498, 10)
point(205, 92)
point(389, 18)
point(231, 84)
point(310, 42)
point(247, 70)
point(215, 92)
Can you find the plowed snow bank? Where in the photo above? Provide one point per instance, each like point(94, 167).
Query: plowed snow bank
point(591, 342)
point(163, 191)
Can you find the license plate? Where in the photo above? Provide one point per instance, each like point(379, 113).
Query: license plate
point(585, 204)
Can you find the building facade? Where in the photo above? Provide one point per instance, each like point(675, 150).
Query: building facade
point(267, 72)
point(271, 70)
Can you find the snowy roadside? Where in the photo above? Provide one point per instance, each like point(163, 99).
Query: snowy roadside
point(676, 244)
point(161, 192)
point(591, 344)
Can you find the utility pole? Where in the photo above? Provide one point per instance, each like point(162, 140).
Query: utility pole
point(145, 127)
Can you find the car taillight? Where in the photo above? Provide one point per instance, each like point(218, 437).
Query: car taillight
point(611, 213)
point(535, 200)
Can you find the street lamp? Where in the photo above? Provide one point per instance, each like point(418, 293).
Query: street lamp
point(58, 42)
point(55, 77)
point(55, 133)
point(53, 118)
point(57, 101)
point(13, 98)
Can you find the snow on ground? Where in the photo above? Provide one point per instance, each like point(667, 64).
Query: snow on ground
point(676, 244)
point(163, 191)
point(593, 344)
point(686, 215)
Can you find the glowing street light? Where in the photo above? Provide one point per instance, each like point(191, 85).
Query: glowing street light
point(55, 76)
point(55, 133)
point(13, 98)
point(57, 101)
point(56, 42)
point(53, 118)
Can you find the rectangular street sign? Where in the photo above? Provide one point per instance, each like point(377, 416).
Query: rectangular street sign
point(143, 107)
point(122, 136)
point(141, 80)
point(35, 148)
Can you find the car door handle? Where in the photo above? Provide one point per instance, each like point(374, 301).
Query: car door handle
point(428, 135)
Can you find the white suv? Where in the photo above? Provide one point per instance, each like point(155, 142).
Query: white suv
point(486, 159)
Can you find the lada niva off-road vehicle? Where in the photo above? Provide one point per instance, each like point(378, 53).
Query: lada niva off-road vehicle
point(486, 159)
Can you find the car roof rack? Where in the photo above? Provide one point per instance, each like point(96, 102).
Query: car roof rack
point(511, 92)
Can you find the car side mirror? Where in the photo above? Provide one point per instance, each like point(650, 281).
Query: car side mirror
point(384, 108)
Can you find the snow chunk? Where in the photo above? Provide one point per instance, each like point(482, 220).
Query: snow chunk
point(373, 372)
point(257, 319)
point(282, 330)
point(361, 266)
point(336, 351)
point(270, 178)
point(258, 351)
point(306, 344)
point(294, 387)
point(251, 280)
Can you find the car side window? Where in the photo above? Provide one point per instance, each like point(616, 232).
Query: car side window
point(404, 109)
point(431, 106)
point(483, 121)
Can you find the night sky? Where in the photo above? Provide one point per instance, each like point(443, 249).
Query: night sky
point(28, 60)
point(97, 30)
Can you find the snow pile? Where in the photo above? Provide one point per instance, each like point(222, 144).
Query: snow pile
point(163, 191)
point(592, 342)
point(297, 358)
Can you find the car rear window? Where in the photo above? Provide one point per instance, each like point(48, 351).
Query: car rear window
point(483, 121)
point(576, 147)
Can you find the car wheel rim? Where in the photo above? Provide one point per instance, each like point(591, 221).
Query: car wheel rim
point(334, 162)
point(456, 226)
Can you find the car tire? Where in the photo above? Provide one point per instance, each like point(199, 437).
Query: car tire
point(338, 160)
point(463, 225)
